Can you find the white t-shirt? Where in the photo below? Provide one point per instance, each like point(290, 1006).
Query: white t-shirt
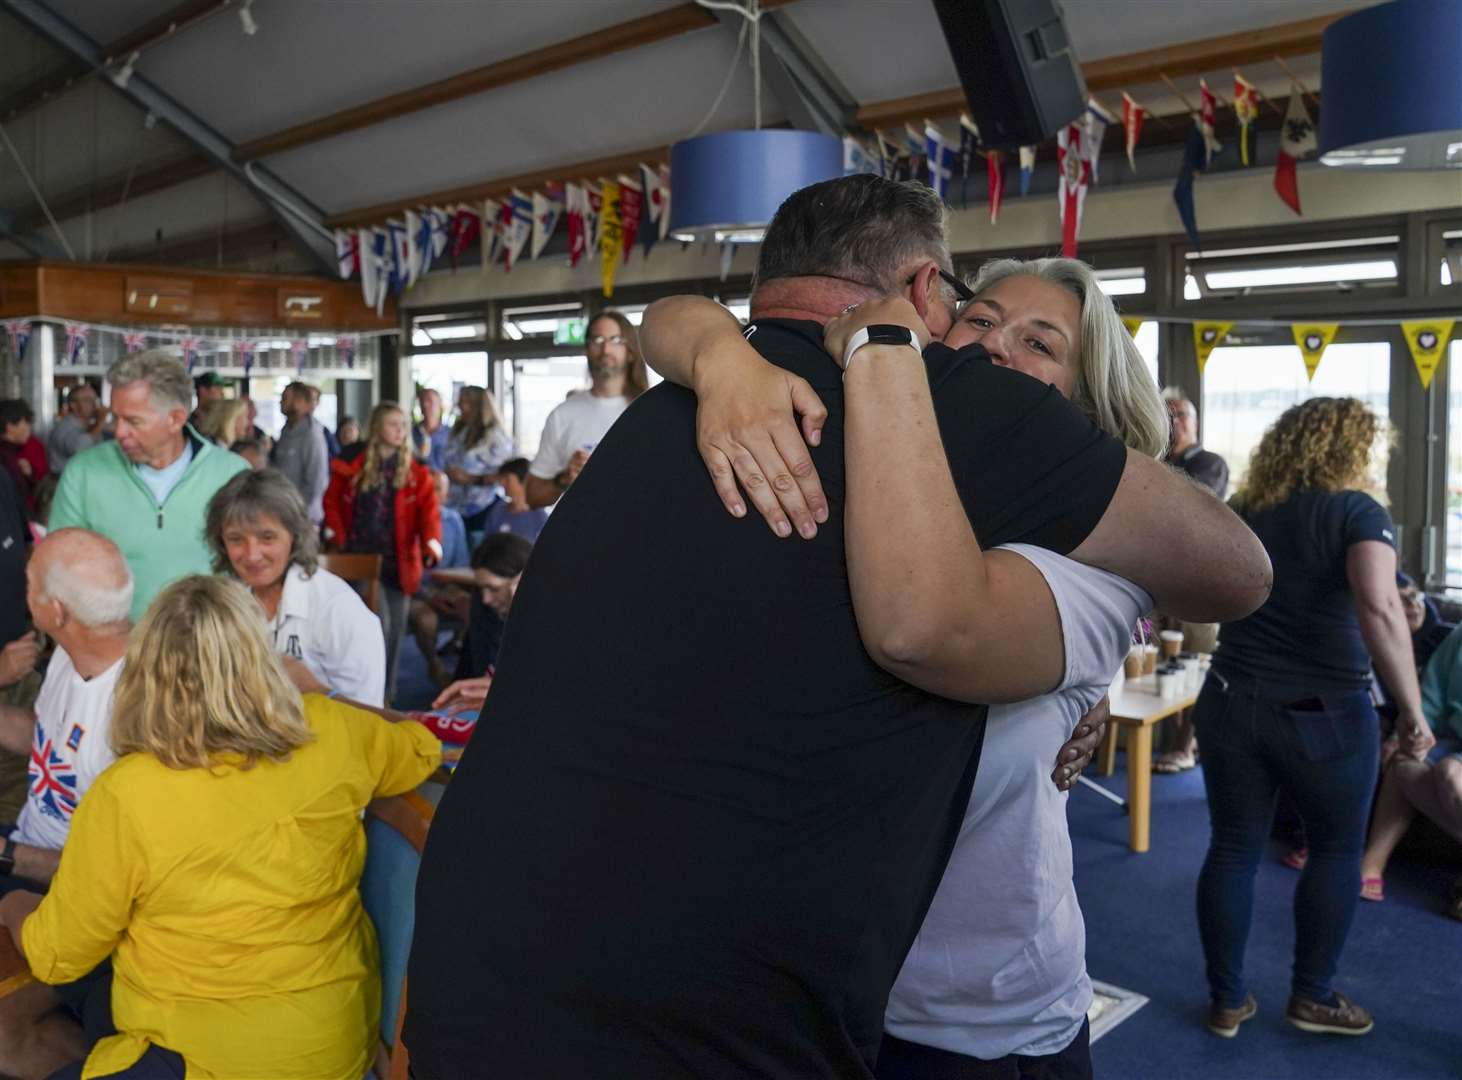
point(578, 424)
point(999, 966)
point(70, 749)
point(323, 622)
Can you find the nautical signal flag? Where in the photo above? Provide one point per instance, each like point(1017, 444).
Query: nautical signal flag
point(1132, 324)
point(1297, 139)
point(1312, 340)
point(1183, 188)
point(1207, 119)
point(1132, 117)
point(1075, 170)
point(1246, 108)
point(1427, 339)
point(611, 235)
point(1207, 336)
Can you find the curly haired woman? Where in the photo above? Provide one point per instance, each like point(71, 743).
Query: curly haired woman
point(1289, 706)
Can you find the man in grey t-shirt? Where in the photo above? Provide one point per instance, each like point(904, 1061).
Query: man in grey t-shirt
point(78, 428)
point(301, 453)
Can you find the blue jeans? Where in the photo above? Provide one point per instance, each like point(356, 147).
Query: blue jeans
point(1323, 751)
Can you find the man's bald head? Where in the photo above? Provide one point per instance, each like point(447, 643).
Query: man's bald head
point(85, 574)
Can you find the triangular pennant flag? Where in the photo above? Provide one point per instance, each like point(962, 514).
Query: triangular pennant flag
point(1027, 168)
point(491, 236)
point(995, 167)
point(654, 207)
point(631, 206)
point(365, 246)
point(918, 150)
point(964, 161)
point(1132, 117)
point(664, 201)
point(547, 210)
point(611, 234)
point(518, 226)
point(426, 244)
point(1206, 337)
point(1096, 120)
point(940, 160)
point(466, 227)
point(441, 229)
point(1132, 323)
point(347, 252)
point(1075, 169)
point(1312, 339)
point(413, 247)
point(1246, 109)
point(75, 342)
point(396, 256)
point(574, 204)
point(1183, 189)
point(857, 159)
point(1427, 339)
point(1207, 119)
point(1297, 140)
point(593, 213)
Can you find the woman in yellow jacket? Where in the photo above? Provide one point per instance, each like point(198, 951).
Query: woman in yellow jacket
point(217, 861)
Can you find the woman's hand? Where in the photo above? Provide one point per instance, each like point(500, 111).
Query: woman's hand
point(458, 475)
point(1081, 748)
point(887, 310)
point(464, 694)
point(1415, 735)
point(747, 433)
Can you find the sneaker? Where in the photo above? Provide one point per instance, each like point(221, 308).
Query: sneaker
point(1343, 1018)
point(1226, 1022)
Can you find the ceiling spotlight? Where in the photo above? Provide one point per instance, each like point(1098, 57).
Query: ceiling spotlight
point(123, 74)
point(246, 19)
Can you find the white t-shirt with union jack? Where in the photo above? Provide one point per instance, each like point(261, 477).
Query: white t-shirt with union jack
point(69, 751)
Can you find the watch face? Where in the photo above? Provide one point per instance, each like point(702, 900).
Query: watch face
point(885, 334)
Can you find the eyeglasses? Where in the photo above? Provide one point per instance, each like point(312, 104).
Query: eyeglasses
point(962, 291)
point(601, 340)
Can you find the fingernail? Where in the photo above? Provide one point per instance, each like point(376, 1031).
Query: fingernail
point(1066, 773)
point(820, 513)
point(783, 529)
point(808, 530)
point(738, 510)
point(816, 439)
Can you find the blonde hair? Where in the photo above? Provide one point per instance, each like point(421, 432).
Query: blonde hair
point(478, 419)
point(1323, 444)
point(1113, 386)
point(374, 458)
point(217, 419)
point(201, 680)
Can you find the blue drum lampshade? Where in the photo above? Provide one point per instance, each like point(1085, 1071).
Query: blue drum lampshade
point(729, 185)
point(1391, 77)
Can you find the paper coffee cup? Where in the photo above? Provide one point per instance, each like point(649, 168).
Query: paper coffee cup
point(1172, 642)
point(1149, 659)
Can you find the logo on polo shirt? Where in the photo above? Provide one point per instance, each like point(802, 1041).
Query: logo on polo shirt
point(292, 648)
point(73, 741)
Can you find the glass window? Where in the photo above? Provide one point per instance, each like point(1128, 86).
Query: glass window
point(1348, 266)
point(1146, 339)
point(534, 388)
point(1245, 389)
point(447, 373)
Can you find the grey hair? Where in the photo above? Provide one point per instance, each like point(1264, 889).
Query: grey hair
point(164, 374)
point(860, 228)
point(250, 495)
point(1113, 386)
point(95, 590)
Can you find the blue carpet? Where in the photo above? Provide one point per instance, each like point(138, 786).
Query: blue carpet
point(414, 690)
point(1403, 961)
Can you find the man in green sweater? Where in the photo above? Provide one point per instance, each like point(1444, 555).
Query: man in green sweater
point(148, 490)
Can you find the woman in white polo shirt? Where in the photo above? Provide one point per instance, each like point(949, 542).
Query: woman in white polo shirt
point(260, 533)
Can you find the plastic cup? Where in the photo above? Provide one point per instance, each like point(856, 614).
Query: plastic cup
point(1132, 662)
point(1149, 659)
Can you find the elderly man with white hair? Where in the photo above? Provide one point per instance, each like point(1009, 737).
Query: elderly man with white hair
point(148, 490)
point(79, 591)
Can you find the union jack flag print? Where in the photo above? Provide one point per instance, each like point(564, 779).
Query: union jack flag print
point(52, 779)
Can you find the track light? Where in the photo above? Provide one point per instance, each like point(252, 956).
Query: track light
point(123, 74)
point(246, 19)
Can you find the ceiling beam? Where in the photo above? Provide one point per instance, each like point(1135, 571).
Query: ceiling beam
point(580, 50)
point(153, 32)
point(36, 244)
point(1134, 69)
point(111, 190)
point(808, 90)
point(296, 213)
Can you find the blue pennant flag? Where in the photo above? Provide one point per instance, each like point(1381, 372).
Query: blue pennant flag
point(1195, 153)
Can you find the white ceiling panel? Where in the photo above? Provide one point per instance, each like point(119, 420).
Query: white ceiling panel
point(625, 102)
point(1101, 28)
point(880, 49)
point(106, 20)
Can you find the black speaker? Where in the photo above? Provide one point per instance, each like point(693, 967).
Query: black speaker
point(1015, 63)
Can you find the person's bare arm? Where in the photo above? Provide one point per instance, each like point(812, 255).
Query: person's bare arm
point(1370, 567)
point(1190, 552)
point(932, 608)
point(541, 492)
point(749, 434)
point(36, 863)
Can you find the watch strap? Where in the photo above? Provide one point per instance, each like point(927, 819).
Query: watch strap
point(878, 334)
point(7, 857)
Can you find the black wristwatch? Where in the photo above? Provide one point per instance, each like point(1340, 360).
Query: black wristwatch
point(7, 858)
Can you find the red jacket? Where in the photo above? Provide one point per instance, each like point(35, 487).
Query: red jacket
point(418, 519)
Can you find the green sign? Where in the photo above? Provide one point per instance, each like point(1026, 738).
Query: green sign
point(570, 331)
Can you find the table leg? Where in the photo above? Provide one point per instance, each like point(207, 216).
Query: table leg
point(1139, 784)
point(1108, 751)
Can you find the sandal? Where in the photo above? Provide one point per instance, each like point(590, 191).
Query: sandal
point(1168, 764)
point(1297, 858)
point(1373, 889)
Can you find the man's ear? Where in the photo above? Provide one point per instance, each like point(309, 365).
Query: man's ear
point(924, 290)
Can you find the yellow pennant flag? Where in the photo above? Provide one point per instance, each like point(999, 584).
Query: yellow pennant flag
point(1312, 340)
point(1132, 325)
point(1206, 338)
point(1427, 338)
point(611, 235)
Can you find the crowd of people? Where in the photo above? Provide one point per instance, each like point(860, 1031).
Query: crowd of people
point(739, 802)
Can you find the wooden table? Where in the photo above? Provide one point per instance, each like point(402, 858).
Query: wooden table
point(1137, 707)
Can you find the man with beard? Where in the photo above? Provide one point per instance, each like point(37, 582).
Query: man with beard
point(575, 427)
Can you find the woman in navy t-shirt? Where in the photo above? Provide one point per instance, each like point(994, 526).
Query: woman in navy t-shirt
point(1289, 706)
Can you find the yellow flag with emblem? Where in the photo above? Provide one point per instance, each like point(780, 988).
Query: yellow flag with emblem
point(1132, 325)
point(1312, 339)
point(611, 235)
point(1427, 339)
point(1206, 337)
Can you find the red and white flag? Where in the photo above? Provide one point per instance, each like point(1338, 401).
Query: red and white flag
point(654, 211)
point(547, 209)
point(1207, 118)
point(1132, 117)
point(134, 342)
point(594, 213)
point(1075, 169)
point(1246, 109)
point(631, 204)
point(347, 251)
point(1297, 139)
point(995, 169)
point(574, 204)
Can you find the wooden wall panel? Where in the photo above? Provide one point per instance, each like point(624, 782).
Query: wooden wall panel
point(19, 291)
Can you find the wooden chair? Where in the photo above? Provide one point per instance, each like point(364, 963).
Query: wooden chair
point(357, 569)
point(395, 835)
